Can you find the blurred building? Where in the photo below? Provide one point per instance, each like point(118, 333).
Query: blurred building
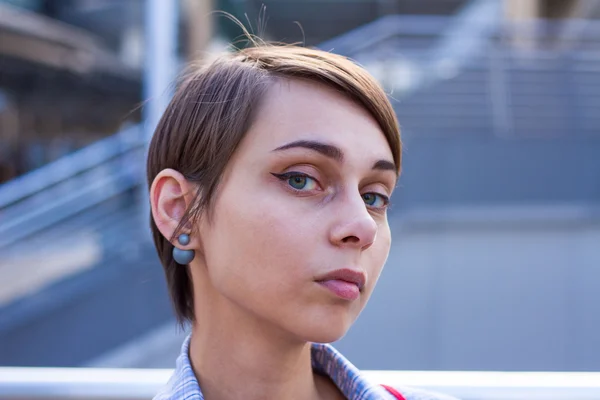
point(62, 86)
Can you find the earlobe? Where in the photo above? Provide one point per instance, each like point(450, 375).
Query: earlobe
point(170, 197)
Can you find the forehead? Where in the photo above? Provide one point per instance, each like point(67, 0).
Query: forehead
point(299, 109)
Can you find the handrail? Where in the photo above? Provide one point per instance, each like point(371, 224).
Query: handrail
point(71, 184)
point(136, 384)
point(56, 208)
point(70, 165)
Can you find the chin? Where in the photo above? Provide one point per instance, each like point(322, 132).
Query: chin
point(325, 330)
point(326, 337)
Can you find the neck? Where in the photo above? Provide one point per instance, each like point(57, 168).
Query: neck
point(236, 356)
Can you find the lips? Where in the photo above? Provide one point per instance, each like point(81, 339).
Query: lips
point(344, 283)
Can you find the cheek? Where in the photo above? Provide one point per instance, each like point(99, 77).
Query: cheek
point(258, 245)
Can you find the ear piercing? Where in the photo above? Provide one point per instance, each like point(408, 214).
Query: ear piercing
point(180, 256)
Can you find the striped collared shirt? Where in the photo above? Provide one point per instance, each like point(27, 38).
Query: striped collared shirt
point(326, 360)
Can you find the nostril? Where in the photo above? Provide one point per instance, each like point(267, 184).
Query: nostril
point(350, 239)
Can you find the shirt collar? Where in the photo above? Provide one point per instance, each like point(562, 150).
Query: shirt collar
point(326, 360)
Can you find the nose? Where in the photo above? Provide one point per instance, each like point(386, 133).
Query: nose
point(353, 225)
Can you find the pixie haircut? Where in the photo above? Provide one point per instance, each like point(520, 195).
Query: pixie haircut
point(212, 109)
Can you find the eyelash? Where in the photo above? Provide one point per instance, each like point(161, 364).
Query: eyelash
point(292, 174)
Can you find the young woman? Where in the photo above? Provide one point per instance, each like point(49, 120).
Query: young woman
point(270, 173)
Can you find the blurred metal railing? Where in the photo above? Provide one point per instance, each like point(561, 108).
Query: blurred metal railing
point(138, 384)
point(69, 185)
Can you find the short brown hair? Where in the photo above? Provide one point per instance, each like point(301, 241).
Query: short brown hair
point(213, 108)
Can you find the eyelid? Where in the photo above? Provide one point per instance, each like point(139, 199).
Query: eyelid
point(378, 187)
point(289, 174)
point(380, 180)
point(304, 169)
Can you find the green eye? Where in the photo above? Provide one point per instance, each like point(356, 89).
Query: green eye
point(375, 200)
point(302, 182)
point(298, 181)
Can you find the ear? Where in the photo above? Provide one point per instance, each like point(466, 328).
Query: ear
point(171, 195)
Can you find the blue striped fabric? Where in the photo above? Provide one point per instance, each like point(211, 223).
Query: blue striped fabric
point(326, 360)
point(183, 384)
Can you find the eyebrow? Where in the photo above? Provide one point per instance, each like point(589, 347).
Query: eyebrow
point(384, 165)
point(327, 150)
point(333, 152)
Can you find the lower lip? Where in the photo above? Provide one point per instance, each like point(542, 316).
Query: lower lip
point(343, 289)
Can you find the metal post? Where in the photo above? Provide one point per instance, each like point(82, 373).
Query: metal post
point(160, 69)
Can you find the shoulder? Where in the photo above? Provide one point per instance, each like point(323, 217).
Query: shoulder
point(410, 393)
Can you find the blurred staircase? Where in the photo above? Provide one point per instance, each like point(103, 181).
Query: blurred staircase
point(78, 273)
point(505, 125)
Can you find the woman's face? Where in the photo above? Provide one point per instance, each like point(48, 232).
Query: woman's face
point(299, 233)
